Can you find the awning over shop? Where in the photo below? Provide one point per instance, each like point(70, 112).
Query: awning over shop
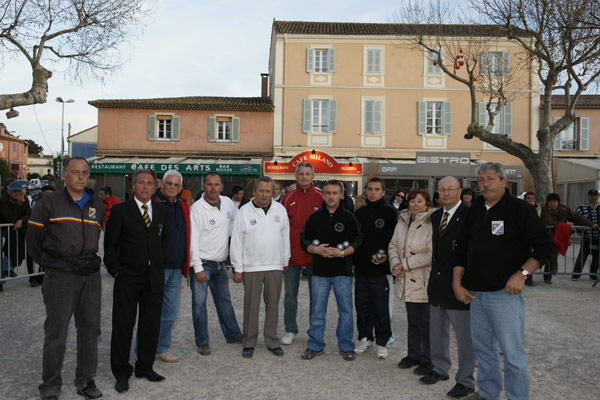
point(184, 165)
point(322, 162)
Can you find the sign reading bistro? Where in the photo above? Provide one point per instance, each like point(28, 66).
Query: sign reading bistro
point(227, 169)
point(322, 162)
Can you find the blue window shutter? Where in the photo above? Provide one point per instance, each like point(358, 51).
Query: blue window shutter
point(332, 116)
point(235, 129)
point(331, 60)
point(369, 116)
point(447, 119)
point(505, 63)
point(484, 63)
point(507, 113)
point(212, 127)
point(151, 127)
point(557, 145)
point(584, 133)
point(483, 115)
point(306, 105)
point(422, 118)
point(310, 60)
point(175, 134)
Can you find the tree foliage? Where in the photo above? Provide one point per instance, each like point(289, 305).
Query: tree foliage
point(33, 147)
point(82, 36)
point(559, 42)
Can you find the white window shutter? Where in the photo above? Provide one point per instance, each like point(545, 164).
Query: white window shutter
point(212, 127)
point(369, 104)
point(306, 125)
point(151, 127)
point(505, 63)
point(175, 135)
point(310, 60)
point(557, 145)
point(483, 115)
point(377, 113)
point(421, 118)
point(235, 129)
point(584, 133)
point(447, 119)
point(507, 119)
point(331, 66)
point(484, 63)
point(332, 116)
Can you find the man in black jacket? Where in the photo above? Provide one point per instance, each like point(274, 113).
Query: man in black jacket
point(444, 309)
point(136, 239)
point(67, 223)
point(500, 243)
point(331, 234)
point(372, 289)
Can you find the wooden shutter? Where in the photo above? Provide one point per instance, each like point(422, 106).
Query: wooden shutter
point(306, 112)
point(175, 128)
point(151, 127)
point(212, 128)
point(447, 119)
point(584, 133)
point(310, 60)
point(422, 118)
point(235, 129)
point(332, 116)
point(507, 119)
point(331, 66)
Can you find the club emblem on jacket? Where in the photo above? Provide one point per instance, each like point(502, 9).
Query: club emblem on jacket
point(92, 213)
point(379, 223)
point(252, 222)
point(497, 228)
point(339, 227)
point(212, 221)
point(277, 218)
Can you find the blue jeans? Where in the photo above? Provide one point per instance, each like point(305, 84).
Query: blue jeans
point(499, 318)
point(4, 266)
point(290, 300)
point(342, 288)
point(218, 282)
point(170, 308)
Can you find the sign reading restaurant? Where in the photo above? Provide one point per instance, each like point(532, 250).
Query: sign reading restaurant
point(161, 168)
point(321, 161)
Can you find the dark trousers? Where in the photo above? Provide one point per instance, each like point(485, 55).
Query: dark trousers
point(371, 299)
point(31, 269)
point(418, 331)
point(128, 293)
point(66, 294)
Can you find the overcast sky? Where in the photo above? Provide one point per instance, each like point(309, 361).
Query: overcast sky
point(189, 48)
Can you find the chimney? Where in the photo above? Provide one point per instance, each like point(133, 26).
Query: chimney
point(264, 85)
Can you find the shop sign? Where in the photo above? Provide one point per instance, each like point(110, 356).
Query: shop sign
point(434, 164)
point(161, 168)
point(322, 162)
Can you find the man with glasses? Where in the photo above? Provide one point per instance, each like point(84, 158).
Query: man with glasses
point(591, 237)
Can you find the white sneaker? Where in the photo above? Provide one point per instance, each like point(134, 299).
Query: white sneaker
point(363, 345)
point(288, 338)
point(382, 352)
point(166, 357)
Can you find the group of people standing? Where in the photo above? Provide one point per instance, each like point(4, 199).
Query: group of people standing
point(460, 266)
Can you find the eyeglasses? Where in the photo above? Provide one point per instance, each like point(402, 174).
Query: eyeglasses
point(172, 184)
point(399, 195)
point(449, 190)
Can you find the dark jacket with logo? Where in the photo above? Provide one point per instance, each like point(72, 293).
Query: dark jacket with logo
point(493, 244)
point(377, 222)
point(333, 229)
point(58, 227)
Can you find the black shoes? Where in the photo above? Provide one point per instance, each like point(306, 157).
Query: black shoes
point(90, 391)
point(407, 362)
point(122, 385)
point(247, 352)
point(278, 351)
point(348, 355)
point(460, 390)
point(529, 281)
point(423, 369)
point(50, 397)
point(432, 378)
point(310, 354)
point(151, 375)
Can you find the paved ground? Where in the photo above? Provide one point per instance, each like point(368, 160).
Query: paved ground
point(561, 340)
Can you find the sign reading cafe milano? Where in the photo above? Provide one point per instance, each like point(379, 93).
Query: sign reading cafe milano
point(161, 168)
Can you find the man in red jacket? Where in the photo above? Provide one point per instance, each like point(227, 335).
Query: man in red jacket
point(109, 200)
point(299, 204)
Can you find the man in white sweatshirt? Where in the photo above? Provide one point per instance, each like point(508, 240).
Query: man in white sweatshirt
point(260, 248)
point(211, 220)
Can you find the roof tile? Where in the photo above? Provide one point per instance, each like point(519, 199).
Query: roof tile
point(253, 104)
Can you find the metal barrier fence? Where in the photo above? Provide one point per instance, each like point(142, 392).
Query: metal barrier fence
point(15, 263)
point(585, 245)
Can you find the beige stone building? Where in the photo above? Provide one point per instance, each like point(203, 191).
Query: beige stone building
point(372, 102)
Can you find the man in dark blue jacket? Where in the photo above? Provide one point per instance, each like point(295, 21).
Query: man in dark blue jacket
point(444, 308)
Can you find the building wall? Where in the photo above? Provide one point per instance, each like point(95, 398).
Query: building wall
point(593, 114)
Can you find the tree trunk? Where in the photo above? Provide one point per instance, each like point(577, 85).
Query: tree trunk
point(36, 95)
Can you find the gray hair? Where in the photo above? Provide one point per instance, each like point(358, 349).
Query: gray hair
point(172, 172)
point(142, 171)
point(267, 179)
point(449, 177)
point(490, 166)
point(305, 164)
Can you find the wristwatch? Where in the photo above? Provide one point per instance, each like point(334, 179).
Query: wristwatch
point(524, 272)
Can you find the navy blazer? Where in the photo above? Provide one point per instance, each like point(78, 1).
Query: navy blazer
point(439, 289)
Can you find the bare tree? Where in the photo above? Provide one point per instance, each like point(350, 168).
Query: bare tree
point(81, 36)
point(559, 41)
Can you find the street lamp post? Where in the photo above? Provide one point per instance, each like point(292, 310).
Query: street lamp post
point(62, 131)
